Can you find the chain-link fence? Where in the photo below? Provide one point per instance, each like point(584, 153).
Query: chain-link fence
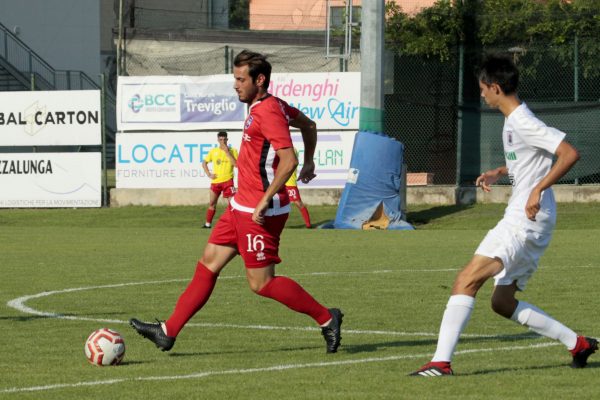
point(449, 131)
point(432, 106)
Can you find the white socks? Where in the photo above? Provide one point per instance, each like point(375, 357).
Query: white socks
point(540, 322)
point(457, 314)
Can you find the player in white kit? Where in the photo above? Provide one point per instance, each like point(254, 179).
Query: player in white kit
point(510, 252)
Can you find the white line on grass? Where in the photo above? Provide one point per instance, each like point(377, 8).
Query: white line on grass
point(19, 304)
point(273, 368)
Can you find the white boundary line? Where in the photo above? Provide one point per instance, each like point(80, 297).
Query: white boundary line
point(19, 304)
point(273, 368)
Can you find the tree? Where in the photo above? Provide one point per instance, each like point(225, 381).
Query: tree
point(239, 14)
point(552, 25)
point(434, 32)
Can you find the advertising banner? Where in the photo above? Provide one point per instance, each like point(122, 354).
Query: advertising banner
point(50, 118)
point(174, 160)
point(45, 180)
point(331, 99)
point(178, 103)
point(185, 103)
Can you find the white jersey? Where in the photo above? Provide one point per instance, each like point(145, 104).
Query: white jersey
point(529, 146)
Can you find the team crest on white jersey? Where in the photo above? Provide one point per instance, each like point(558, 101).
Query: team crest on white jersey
point(510, 138)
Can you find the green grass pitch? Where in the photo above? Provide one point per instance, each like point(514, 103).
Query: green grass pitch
point(99, 267)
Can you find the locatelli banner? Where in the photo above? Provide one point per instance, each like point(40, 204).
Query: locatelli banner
point(181, 103)
point(48, 118)
point(42, 180)
point(174, 159)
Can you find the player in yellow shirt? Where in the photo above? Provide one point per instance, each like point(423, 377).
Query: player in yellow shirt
point(223, 159)
point(291, 186)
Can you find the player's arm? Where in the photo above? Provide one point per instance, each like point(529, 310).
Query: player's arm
point(207, 171)
point(566, 157)
point(228, 154)
point(490, 177)
point(287, 165)
point(231, 158)
point(308, 129)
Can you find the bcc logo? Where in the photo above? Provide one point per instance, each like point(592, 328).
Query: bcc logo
point(137, 102)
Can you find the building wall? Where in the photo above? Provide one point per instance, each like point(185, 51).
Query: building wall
point(307, 14)
point(65, 33)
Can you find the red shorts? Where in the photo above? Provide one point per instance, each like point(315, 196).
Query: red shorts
point(226, 188)
point(257, 244)
point(293, 193)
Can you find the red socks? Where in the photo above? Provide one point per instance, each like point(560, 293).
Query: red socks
point(292, 295)
point(192, 299)
point(305, 216)
point(280, 288)
point(210, 213)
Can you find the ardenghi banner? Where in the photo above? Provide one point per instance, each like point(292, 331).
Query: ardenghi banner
point(50, 118)
point(183, 103)
point(331, 99)
point(41, 180)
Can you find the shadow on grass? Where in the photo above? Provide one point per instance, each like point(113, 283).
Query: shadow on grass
point(246, 351)
point(298, 226)
point(512, 369)
point(315, 224)
point(25, 318)
point(415, 218)
point(128, 363)
point(367, 348)
point(28, 318)
point(424, 217)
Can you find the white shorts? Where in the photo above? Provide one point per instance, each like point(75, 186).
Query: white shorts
point(518, 248)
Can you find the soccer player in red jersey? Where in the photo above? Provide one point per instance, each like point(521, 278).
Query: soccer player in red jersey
point(252, 224)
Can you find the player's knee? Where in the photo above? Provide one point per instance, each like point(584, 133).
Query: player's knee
point(256, 285)
point(466, 283)
point(503, 307)
point(209, 256)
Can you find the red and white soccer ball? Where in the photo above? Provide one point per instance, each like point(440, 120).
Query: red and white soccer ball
point(105, 347)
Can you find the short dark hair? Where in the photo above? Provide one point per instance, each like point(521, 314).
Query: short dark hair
point(222, 134)
point(257, 64)
point(501, 70)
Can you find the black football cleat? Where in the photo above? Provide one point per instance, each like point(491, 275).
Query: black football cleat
point(332, 332)
point(580, 358)
point(431, 370)
point(154, 333)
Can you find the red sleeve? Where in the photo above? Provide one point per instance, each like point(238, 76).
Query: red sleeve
point(275, 125)
point(292, 112)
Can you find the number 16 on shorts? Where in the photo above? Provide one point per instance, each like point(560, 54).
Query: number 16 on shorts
point(256, 244)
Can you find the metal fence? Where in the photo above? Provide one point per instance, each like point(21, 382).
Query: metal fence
point(433, 107)
point(35, 73)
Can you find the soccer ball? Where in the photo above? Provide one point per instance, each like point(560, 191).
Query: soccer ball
point(105, 347)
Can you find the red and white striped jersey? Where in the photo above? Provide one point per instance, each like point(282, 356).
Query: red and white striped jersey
point(266, 130)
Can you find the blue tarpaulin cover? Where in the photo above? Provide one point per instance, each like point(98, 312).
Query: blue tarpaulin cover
point(374, 181)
